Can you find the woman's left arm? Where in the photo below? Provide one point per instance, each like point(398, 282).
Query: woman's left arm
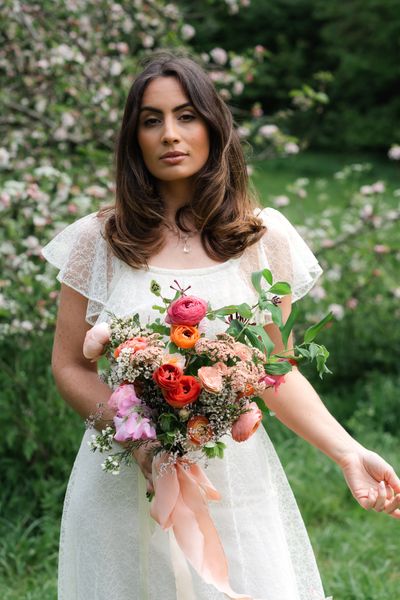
point(372, 481)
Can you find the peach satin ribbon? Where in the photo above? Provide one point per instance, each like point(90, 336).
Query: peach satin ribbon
point(180, 502)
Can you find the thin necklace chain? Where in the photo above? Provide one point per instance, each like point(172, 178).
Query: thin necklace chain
point(183, 237)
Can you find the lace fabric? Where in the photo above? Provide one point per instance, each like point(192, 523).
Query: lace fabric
point(109, 546)
point(87, 265)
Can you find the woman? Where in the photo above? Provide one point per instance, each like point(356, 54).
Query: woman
point(183, 211)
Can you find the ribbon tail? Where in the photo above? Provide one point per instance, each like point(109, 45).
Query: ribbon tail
point(183, 576)
point(199, 539)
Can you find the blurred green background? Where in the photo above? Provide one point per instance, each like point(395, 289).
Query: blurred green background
point(313, 89)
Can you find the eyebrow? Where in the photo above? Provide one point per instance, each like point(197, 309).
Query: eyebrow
point(157, 110)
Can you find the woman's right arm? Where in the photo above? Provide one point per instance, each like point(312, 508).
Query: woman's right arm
point(76, 377)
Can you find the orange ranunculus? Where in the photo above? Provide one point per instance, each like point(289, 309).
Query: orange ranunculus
point(184, 336)
point(135, 344)
point(186, 391)
point(167, 376)
point(248, 391)
point(199, 430)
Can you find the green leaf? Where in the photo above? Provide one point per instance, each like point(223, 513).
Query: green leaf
point(226, 310)
point(313, 331)
point(268, 344)
point(303, 351)
point(172, 348)
point(256, 279)
point(167, 422)
point(278, 368)
point(276, 314)
point(281, 288)
point(235, 328)
point(160, 309)
point(245, 311)
point(260, 403)
point(159, 328)
point(253, 339)
point(288, 326)
point(314, 349)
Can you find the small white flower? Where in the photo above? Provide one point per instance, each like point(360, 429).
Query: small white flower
point(148, 41)
point(243, 132)
point(291, 148)
point(318, 293)
point(378, 187)
point(4, 157)
point(337, 311)
point(68, 119)
point(115, 68)
point(268, 131)
point(219, 56)
point(187, 32)
point(281, 201)
point(394, 152)
point(366, 190)
point(367, 211)
point(238, 88)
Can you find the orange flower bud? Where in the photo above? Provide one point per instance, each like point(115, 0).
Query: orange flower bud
point(184, 336)
point(199, 430)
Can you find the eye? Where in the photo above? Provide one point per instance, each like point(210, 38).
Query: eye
point(187, 117)
point(150, 121)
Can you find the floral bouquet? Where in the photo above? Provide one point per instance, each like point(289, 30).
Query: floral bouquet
point(175, 386)
point(180, 392)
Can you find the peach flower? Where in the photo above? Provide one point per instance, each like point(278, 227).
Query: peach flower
point(134, 344)
point(247, 423)
point(95, 340)
point(211, 378)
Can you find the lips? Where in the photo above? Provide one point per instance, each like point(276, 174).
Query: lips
point(173, 154)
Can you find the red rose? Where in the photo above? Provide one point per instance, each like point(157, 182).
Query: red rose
point(167, 376)
point(186, 391)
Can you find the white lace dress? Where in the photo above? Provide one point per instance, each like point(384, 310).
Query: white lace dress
point(110, 548)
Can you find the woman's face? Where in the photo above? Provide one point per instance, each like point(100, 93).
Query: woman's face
point(168, 123)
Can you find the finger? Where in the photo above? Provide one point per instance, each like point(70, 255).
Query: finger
point(392, 479)
point(392, 505)
point(369, 502)
point(389, 492)
point(149, 486)
point(381, 499)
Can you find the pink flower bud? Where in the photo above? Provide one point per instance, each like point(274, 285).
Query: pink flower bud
point(247, 423)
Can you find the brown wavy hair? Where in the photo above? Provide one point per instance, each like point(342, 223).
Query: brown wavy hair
point(222, 206)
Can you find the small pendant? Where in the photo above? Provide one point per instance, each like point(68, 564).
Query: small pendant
point(186, 247)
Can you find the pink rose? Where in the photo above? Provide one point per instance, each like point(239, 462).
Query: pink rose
point(211, 378)
point(247, 423)
point(273, 381)
point(133, 427)
point(95, 340)
point(186, 310)
point(123, 399)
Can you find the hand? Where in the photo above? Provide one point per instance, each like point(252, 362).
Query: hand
point(372, 481)
point(144, 458)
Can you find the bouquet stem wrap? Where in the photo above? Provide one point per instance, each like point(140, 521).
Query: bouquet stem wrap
point(180, 503)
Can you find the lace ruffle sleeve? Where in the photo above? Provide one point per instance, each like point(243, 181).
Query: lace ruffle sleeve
point(287, 255)
point(81, 254)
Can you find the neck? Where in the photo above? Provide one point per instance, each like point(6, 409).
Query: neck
point(175, 194)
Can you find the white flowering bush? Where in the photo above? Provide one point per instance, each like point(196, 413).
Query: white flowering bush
point(32, 209)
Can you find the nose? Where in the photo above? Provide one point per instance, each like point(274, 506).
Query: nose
point(169, 133)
